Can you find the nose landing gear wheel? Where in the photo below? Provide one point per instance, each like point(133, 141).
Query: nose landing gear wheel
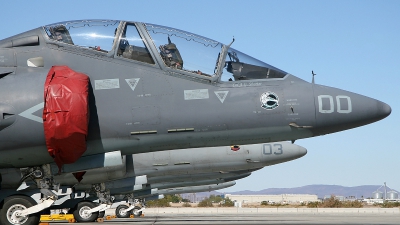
point(12, 206)
point(81, 212)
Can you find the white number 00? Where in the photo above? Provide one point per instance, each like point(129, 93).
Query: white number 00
point(332, 106)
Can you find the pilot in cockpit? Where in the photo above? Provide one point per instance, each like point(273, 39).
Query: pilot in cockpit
point(60, 33)
point(171, 56)
point(57, 36)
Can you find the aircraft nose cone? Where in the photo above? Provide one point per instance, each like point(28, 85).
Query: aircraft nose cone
point(383, 110)
point(338, 110)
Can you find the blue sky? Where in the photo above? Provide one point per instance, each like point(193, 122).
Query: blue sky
point(351, 45)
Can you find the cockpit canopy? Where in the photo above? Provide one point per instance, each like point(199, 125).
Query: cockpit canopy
point(244, 67)
point(197, 54)
point(95, 34)
point(179, 50)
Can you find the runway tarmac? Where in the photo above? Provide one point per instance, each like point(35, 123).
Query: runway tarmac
point(281, 218)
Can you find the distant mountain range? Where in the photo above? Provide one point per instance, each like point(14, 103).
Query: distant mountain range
point(320, 190)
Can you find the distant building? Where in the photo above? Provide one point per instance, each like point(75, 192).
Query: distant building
point(283, 198)
point(338, 197)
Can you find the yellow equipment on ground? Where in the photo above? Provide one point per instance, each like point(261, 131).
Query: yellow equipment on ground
point(57, 217)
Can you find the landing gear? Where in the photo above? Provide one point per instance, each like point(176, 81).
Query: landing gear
point(104, 197)
point(48, 190)
point(137, 211)
point(135, 208)
point(9, 214)
point(82, 212)
point(121, 212)
point(89, 211)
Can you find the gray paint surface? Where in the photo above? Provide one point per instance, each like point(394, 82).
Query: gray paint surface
point(157, 103)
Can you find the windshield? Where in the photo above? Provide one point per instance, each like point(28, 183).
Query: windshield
point(94, 34)
point(185, 51)
point(239, 66)
point(132, 46)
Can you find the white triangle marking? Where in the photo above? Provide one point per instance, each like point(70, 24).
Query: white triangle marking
point(132, 82)
point(221, 95)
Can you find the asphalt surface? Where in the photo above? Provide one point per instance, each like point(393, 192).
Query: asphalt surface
point(281, 218)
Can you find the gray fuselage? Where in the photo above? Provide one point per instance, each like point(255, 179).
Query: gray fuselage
point(168, 108)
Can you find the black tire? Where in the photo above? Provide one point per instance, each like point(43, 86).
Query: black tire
point(79, 212)
point(135, 211)
point(101, 214)
point(13, 204)
point(120, 214)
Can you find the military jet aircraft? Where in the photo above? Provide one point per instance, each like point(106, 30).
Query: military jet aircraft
point(150, 174)
point(107, 88)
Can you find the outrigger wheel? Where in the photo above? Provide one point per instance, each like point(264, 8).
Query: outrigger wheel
point(81, 214)
point(14, 204)
point(121, 213)
point(135, 211)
